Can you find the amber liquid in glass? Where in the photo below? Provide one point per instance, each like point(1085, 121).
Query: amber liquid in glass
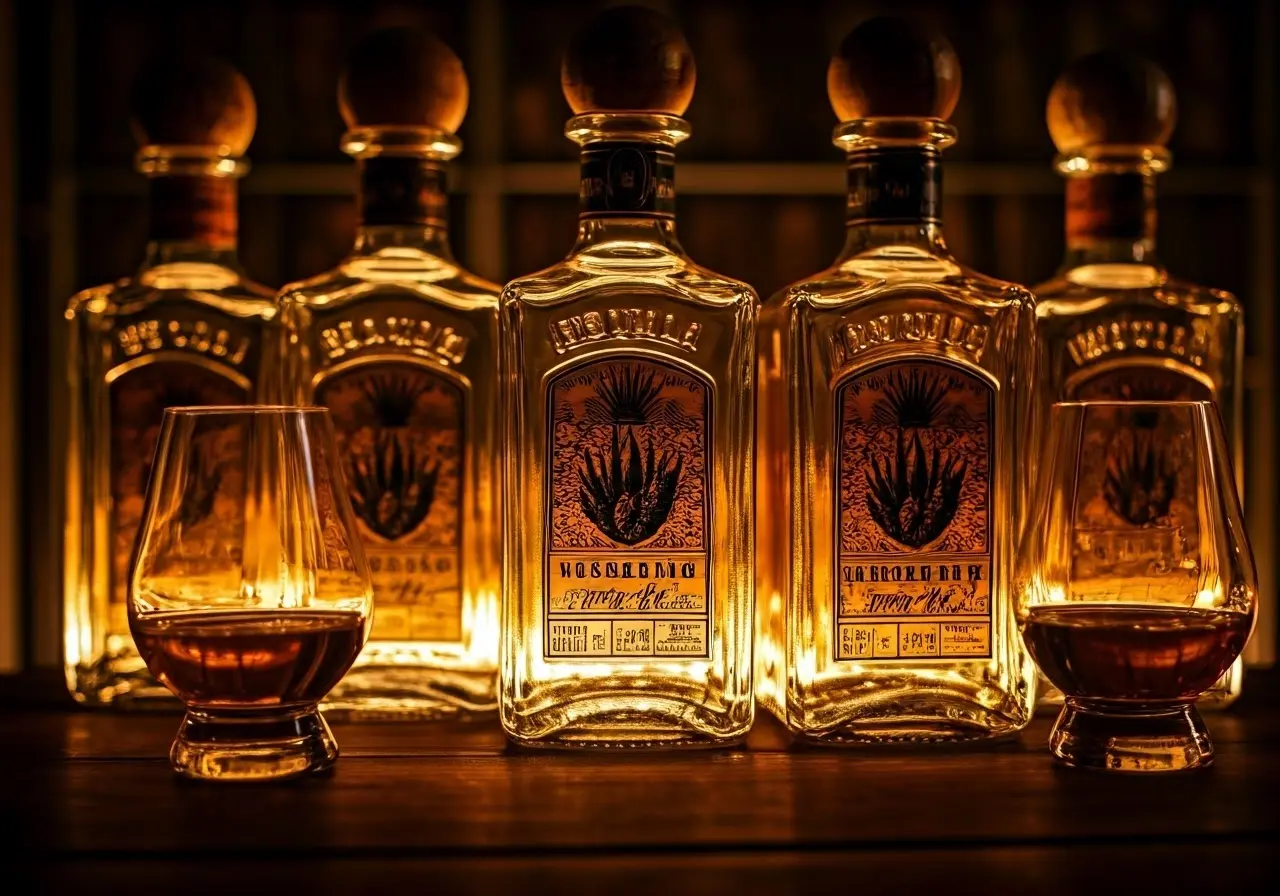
point(1142, 655)
point(250, 659)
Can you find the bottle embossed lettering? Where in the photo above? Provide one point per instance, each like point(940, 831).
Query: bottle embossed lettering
point(628, 400)
point(895, 398)
point(399, 342)
point(187, 329)
point(1114, 323)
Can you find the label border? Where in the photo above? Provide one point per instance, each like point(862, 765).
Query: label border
point(324, 377)
point(837, 406)
point(708, 502)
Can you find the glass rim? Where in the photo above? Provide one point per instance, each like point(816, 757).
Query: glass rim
point(199, 410)
point(1120, 403)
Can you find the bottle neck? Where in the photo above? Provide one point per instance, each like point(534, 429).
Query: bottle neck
point(894, 201)
point(193, 218)
point(403, 204)
point(1111, 219)
point(627, 198)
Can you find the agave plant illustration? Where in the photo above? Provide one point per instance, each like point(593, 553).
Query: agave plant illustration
point(914, 496)
point(913, 400)
point(392, 486)
point(1141, 479)
point(628, 496)
point(392, 399)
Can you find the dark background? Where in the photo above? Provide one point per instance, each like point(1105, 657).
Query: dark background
point(761, 186)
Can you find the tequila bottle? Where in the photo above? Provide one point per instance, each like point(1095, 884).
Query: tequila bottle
point(188, 328)
point(895, 403)
point(1114, 323)
point(627, 381)
point(399, 342)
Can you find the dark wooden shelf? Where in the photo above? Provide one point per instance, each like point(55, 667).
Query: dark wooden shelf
point(449, 807)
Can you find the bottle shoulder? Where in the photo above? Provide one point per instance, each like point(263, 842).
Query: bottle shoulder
point(1067, 295)
point(367, 278)
point(853, 284)
point(581, 276)
point(224, 291)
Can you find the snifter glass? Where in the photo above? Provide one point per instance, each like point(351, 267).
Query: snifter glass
point(1136, 587)
point(249, 595)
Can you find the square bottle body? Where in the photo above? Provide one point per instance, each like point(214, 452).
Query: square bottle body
point(401, 348)
point(893, 424)
point(628, 400)
point(186, 332)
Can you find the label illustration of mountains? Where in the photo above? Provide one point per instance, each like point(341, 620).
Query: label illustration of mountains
point(400, 432)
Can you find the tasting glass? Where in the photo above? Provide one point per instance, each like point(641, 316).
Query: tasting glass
point(1136, 586)
point(249, 594)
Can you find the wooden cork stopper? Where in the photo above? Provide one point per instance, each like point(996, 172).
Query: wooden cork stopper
point(193, 101)
point(403, 77)
point(628, 59)
point(1111, 99)
point(890, 67)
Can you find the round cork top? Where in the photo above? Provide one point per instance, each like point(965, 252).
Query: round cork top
point(1111, 99)
point(403, 77)
point(890, 67)
point(628, 59)
point(193, 101)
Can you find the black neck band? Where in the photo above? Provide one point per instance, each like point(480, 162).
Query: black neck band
point(627, 180)
point(894, 186)
point(402, 190)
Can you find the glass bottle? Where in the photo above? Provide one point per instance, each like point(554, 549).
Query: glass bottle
point(627, 380)
point(895, 406)
point(188, 328)
point(1113, 322)
point(399, 342)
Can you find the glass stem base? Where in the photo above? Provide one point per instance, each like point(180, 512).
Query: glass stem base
point(1109, 737)
point(252, 747)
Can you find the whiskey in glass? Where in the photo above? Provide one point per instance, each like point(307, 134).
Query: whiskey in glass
point(1136, 586)
point(249, 594)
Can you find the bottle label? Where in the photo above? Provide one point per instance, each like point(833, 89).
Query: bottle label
point(627, 180)
point(889, 185)
point(627, 571)
point(138, 397)
point(194, 209)
point(404, 191)
point(400, 431)
point(1110, 207)
point(913, 505)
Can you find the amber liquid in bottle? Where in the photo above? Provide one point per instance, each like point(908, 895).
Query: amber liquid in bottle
point(187, 329)
point(1116, 325)
point(399, 343)
point(893, 417)
point(249, 659)
point(628, 396)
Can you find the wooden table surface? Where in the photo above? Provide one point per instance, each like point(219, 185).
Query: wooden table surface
point(89, 801)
